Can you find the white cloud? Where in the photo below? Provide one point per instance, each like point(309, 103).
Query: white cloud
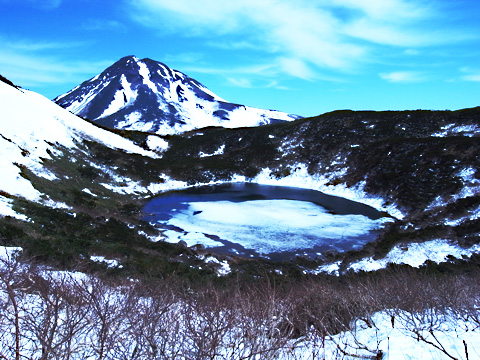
point(302, 36)
point(262, 69)
point(37, 46)
point(411, 52)
point(188, 57)
point(240, 82)
point(296, 67)
point(404, 76)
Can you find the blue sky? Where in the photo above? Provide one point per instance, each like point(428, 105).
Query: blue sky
point(304, 57)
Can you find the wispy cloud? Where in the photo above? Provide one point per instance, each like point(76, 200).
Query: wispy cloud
point(404, 76)
point(102, 24)
point(471, 77)
point(470, 74)
point(38, 46)
point(42, 4)
point(300, 37)
point(33, 64)
point(185, 58)
point(240, 82)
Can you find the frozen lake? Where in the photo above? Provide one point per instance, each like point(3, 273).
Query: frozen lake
point(254, 220)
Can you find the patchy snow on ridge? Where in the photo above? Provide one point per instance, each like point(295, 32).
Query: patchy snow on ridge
point(471, 187)
point(81, 103)
point(123, 97)
point(219, 151)
point(453, 129)
point(128, 186)
point(145, 73)
point(413, 254)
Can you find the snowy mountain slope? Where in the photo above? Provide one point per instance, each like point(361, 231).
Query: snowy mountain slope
point(147, 95)
point(33, 128)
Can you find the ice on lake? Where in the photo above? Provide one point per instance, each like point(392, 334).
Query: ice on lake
point(268, 226)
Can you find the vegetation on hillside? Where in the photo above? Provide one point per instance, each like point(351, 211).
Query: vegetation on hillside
point(398, 156)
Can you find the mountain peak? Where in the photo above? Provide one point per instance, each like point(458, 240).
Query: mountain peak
point(148, 95)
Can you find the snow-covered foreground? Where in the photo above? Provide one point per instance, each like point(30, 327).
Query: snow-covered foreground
point(79, 317)
point(400, 335)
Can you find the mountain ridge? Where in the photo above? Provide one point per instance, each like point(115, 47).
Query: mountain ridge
point(147, 95)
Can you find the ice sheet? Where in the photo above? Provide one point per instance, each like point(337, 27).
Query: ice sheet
point(270, 225)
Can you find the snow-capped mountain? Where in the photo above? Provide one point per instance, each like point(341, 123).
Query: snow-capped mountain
point(33, 129)
point(147, 95)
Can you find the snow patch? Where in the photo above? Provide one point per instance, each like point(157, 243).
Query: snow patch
point(156, 143)
point(145, 73)
point(190, 238)
point(224, 267)
point(396, 335)
point(219, 151)
point(7, 210)
point(123, 97)
point(415, 255)
point(8, 253)
point(110, 263)
point(89, 192)
point(453, 129)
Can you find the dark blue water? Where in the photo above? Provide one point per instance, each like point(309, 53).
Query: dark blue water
point(159, 211)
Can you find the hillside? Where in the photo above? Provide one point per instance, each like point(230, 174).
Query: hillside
point(418, 166)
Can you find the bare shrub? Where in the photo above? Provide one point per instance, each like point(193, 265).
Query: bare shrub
point(11, 338)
